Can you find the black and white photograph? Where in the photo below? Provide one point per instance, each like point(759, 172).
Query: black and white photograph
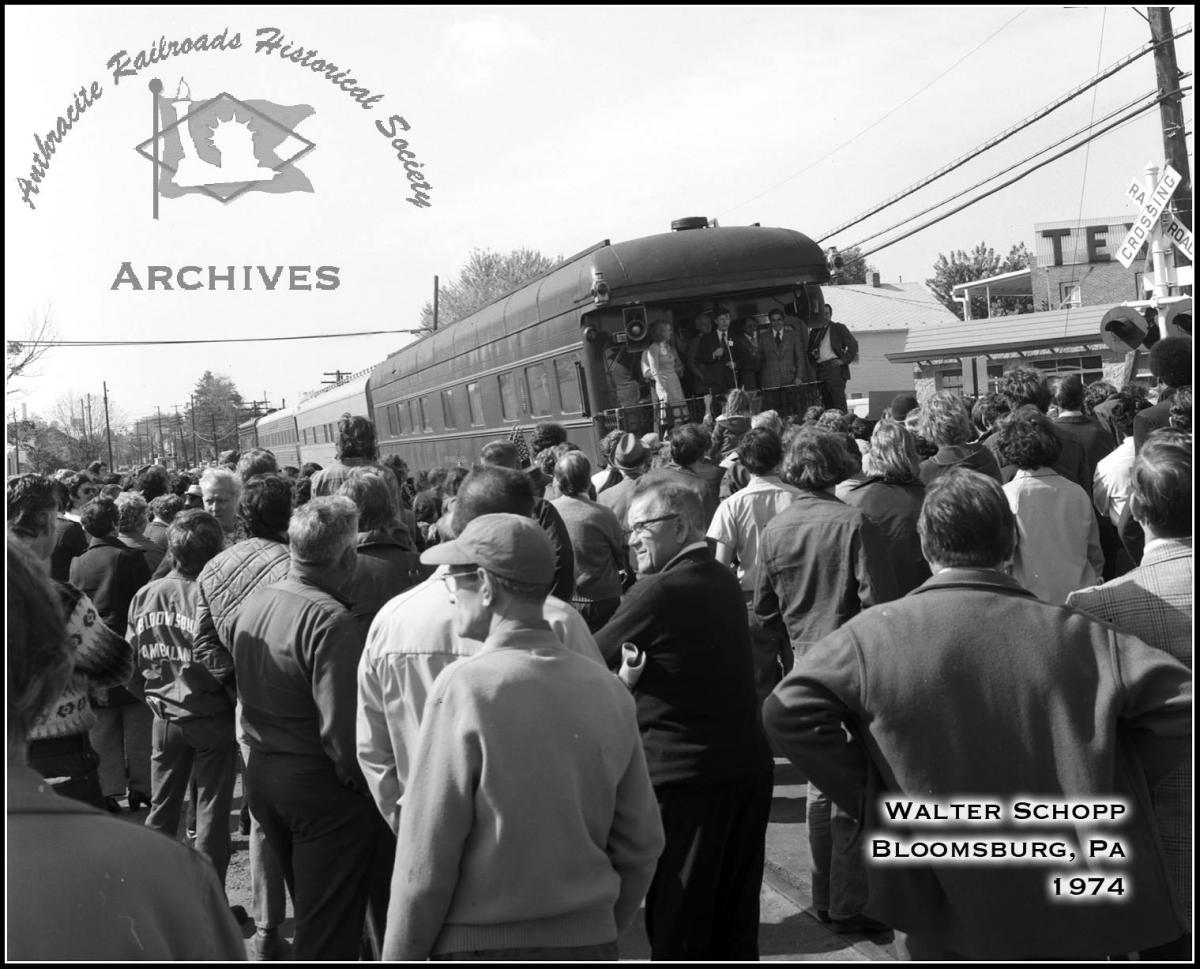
point(578, 484)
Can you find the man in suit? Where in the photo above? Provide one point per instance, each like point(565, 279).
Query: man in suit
point(1171, 363)
point(698, 714)
point(1154, 603)
point(713, 356)
point(783, 366)
point(919, 699)
point(832, 348)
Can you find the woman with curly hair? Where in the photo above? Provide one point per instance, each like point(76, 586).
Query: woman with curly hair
point(1058, 541)
point(945, 422)
point(891, 495)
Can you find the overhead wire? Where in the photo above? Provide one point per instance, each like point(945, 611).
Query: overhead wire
point(992, 142)
point(1003, 171)
point(1087, 155)
point(1132, 116)
point(878, 121)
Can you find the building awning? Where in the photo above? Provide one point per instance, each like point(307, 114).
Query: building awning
point(1068, 327)
point(1019, 282)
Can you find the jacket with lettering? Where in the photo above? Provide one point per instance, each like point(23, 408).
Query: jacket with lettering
point(162, 632)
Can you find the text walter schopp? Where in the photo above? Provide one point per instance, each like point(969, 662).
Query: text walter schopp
point(270, 41)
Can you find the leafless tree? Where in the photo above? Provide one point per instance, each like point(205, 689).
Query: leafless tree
point(22, 353)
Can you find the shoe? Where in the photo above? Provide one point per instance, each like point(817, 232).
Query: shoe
point(137, 801)
point(111, 805)
point(268, 946)
point(822, 915)
point(858, 925)
point(239, 913)
point(244, 823)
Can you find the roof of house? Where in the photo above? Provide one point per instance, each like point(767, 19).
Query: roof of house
point(1078, 325)
point(888, 306)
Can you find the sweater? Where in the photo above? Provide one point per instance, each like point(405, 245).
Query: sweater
point(533, 822)
point(102, 659)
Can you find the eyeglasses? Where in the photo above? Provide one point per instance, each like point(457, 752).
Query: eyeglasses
point(451, 579)
point(644, 526)
point(88, 492)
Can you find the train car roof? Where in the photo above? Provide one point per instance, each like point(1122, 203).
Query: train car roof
point(688, 263)
point(330, 395)
point(281, 414)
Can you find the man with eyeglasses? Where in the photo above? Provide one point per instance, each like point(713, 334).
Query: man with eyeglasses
point(698, 713)
point(532, 833)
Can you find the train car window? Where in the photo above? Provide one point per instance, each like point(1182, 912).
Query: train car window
point(475, 404)
point(448, 407)
point(393, 430)
point(508, 396)
point(426, 423)
point(568, 385)
point(541, 403)
point(413, 426)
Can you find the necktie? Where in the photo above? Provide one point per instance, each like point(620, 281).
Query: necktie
point(779, 338)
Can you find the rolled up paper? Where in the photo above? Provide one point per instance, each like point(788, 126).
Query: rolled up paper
point(633, 661)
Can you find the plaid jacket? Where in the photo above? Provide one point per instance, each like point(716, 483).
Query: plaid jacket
point(1154, 603)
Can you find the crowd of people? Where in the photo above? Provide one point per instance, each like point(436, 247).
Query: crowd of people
point(487, 712)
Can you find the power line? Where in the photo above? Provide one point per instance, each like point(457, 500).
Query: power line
point(244, 339)
point(1120, 65)
point(877, 122)
point(1004, 171)
point(1012, 181)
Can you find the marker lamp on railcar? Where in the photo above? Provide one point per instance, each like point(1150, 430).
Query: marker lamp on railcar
point(835, 261)
point(600, 290)
point(590, 334)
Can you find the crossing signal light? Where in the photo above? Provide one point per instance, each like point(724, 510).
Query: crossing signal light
point(1175, 316)
point(1125, 328)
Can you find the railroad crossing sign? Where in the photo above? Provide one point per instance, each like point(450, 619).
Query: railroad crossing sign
point(1179, 234)
point(1151, 208)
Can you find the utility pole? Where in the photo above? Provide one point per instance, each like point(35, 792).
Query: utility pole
point(179, 430)
point(90, 428)
point(162, 445)
point(107, 429)
point(435, 303)
point(192, 408)
point(1171, 112)
point(16, 443)
point(212, 416)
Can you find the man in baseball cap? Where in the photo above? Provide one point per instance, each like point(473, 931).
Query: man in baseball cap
point(551, 739)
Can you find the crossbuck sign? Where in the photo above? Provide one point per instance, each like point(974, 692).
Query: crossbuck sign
point(1152, 208)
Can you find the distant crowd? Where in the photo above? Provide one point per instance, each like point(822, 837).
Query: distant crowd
point(490, 712)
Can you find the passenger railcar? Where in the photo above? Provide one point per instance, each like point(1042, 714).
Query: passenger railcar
point(566, 347)
point(316, 417)
point(277, 433)
point(248, 435)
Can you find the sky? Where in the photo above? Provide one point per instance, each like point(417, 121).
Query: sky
point(546, 128)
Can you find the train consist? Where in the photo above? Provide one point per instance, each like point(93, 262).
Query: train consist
point(564, 347)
